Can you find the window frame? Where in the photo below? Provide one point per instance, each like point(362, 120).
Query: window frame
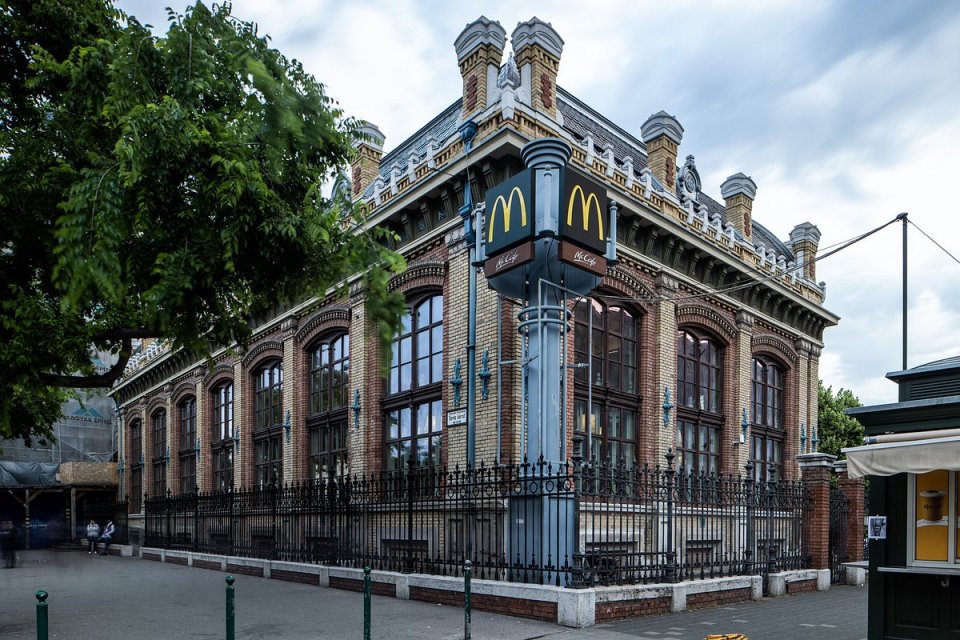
point(423, 390)
point(768, 434)
point(705, 414)
point(222, 434)
point(136, 465)
point(187, 431)
point(158, 430)
point(608, 445)
point(327, 397)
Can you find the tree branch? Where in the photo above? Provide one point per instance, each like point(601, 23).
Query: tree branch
point(103, 380)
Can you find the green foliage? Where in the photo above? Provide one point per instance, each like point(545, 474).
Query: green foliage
point(159, 187)
point(837, 430)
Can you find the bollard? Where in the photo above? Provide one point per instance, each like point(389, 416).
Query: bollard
point(467, 571)
point(366, 603)
point(43, 629)
point(231, 629)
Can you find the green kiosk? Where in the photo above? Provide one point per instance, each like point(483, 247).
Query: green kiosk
point(912, 457)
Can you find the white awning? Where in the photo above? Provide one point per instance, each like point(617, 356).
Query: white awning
point(911, 456)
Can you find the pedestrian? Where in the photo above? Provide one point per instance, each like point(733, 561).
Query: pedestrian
point(105, 537)
point(93, 532)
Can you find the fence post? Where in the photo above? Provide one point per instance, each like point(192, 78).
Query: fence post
point(670, 573)
point(577, 479)
point(815, 471)
point(771, 502)
point(168, 507)
point(43, 629)
point(751, 532)
point(196, 518)
point(366, 603)
point(409, 559)
point(273, 518)
point(230, 523)
point(467, 571)
point(231, 628)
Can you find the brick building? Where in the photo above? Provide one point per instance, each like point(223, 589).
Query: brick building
point(705, 338)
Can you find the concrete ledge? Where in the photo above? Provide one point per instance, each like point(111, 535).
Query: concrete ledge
point(856, 576)
point(778, 584)
point(568, 607)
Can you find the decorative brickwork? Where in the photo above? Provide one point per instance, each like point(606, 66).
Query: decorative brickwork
point(242, 569)
point(377, 588)
point(620, 609)
point(521, 608)
point(718, 598)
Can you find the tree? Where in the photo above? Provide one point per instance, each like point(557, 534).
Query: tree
point(159, 187)
point(837, 430)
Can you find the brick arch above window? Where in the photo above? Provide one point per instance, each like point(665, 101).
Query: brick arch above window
point(222, 373)
point(267, 350)
point(335, 319)
point(183, 391)
point(700, 316)
point(156, 404)
point(774, 347)
point(622, 282)
point(420, 275)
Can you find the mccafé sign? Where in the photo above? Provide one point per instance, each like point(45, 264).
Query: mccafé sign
point(510, 212)
point(512, 216)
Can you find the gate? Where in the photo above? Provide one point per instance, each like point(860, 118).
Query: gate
point(839, 512)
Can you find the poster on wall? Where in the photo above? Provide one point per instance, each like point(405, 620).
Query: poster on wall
point(932, 508)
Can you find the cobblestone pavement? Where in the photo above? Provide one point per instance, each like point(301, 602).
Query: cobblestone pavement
point(112, 598)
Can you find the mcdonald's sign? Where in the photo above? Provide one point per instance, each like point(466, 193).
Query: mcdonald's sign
point(583, 206)
point(510, 213)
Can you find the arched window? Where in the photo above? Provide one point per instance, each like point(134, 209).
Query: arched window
point(613, 359)
point(329, 397)
point(222, 436)
point(135, 464)
point(413, 416)
point(268, 424)
point(767, 430)
point(187, 417)
point(699, 401)
point(160, 452)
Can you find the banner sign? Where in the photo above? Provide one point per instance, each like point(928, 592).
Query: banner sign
point(509, 259)
point(510, 213)
point(582, 259)
point(583, 206)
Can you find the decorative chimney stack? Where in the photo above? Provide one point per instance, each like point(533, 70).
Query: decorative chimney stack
point(479, 51)
point(738, 193)
point(804, 240)
point(366, 163)
point(537, 48)
point(662, 134)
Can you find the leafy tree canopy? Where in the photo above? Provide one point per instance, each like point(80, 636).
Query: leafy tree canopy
point(837, 429)
point(158, 187)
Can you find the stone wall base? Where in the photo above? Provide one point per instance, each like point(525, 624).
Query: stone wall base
point(567, 607)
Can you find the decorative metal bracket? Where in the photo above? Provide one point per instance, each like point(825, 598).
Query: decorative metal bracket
point(803, 438)
point(484, 374)
point(667, 407)
point(456, 381)
point(196, 448)
point(236, 443)
point(744, 425)
point(141, 458)
point(356, 408)
point(814, 440)
point(120, 466)
point(166, 455)
point(287, 426)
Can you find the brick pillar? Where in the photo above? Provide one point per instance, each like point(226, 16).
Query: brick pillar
point(815, 469)
point(736, 453)
point(665, 319)
point(293, 445)
point(853, 489)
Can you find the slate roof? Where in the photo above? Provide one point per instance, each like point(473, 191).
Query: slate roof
point(580, 121)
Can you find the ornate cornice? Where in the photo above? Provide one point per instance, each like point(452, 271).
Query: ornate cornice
point(705, 316)
point(626, 283)
point(221, 370)
point(745, 321)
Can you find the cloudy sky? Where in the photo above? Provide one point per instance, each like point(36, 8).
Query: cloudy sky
point(844, 113)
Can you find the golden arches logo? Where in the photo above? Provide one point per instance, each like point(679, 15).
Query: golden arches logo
point(505, 205)
point(587, 204)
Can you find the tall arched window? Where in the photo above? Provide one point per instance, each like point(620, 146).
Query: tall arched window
point(222, 436)
point(767, 430)
point(613, 360)
point(268, 424)
point(329, 397)
point(699, 401)
point(160, 453)
point(135, 464)
point(187, 417)
point(412, 406)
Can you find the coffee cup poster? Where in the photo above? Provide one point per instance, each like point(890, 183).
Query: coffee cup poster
point(932, 532)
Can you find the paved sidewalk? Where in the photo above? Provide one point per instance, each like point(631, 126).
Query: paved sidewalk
point(112, 598)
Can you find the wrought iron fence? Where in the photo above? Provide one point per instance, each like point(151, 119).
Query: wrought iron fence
point(568, 525)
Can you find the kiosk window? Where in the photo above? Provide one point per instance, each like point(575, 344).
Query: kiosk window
point(934, 524)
